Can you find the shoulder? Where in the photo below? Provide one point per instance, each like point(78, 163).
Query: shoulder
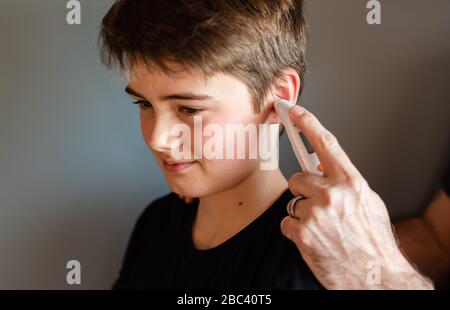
point(151, 222)
point(155, 219)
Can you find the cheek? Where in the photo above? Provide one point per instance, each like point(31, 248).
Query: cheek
point(145, 127)
point(223, 142)
point(231, 167)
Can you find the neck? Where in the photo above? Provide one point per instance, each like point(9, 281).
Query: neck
point(223, 214)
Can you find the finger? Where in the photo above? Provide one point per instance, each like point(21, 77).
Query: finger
point(291, 229)
point(301, 209)
point(305, 184)
point(332, 157)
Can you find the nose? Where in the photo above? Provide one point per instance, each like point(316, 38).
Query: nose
point(157, 133)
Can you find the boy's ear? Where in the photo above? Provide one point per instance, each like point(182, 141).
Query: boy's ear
point(285, 87)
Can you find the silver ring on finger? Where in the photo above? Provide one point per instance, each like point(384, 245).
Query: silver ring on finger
point(291, 206)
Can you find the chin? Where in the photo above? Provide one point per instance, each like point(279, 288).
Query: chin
point(196, 189)
point(188, 188)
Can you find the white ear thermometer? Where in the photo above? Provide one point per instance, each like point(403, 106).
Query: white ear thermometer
point(306, 156)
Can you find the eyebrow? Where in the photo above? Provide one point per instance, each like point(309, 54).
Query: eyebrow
point(181, 96)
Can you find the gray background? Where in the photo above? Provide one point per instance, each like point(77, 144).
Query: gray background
point(75, 174)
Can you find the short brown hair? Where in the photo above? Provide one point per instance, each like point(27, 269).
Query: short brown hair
point(253, 40)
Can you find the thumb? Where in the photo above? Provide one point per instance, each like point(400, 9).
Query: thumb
point(295, 113)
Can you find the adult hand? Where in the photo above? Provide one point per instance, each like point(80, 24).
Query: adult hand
point(342, 227)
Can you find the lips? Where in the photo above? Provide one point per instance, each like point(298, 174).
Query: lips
point(177, 166)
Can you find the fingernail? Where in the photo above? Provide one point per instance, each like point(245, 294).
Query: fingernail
point(298, 110)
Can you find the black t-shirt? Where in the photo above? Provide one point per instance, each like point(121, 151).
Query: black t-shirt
point(161, 254)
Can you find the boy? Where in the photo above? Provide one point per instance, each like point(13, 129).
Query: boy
point(222, 61)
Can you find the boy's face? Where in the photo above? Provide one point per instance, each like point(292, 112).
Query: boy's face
point(221, 99)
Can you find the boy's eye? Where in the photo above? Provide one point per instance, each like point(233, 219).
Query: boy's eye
point(143, 104)
point(189, 110)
